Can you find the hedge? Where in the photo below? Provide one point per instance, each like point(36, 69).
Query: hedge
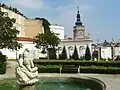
point(100, 70)
point(78, 62)
point(48, 69)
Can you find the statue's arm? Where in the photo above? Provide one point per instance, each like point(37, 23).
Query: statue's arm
point(31, 69)
point(20, 62)
point(32, 64)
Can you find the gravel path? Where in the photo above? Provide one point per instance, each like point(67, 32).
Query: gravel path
point(112, 81)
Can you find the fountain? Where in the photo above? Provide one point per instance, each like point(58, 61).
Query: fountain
point(27, 79)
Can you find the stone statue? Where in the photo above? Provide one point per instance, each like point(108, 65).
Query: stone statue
point(26, 72)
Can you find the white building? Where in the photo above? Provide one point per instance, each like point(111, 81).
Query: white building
point(58, 30)
point(106, 52)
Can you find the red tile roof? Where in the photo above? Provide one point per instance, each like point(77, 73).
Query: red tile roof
point(25, 39)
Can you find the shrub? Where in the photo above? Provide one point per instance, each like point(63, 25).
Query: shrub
point(63, 55)
point(52, 53)
point(78, 62)
point(2, 64)
point(75, 54)
point(100, 70)
point(48, 69)
point(87, 53)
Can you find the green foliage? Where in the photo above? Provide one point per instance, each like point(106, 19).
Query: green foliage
point(45, 24)
point(63, 55)
point(2, 63)
point(48, 39)
point(100, 70)
point(75, 54)
point(15, 10)
point(52, 53)
point(87, 53)
point(8, 33)
point(48, 69)
point(83, 69)
point(78, 62)
point(109, 67)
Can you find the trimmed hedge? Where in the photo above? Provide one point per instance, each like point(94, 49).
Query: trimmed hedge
point(101, 67)
point(78, 62)
point(100, 70)
point(48, 69)
point(90, 69)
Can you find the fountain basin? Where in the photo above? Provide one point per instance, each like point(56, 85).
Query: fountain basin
point(58, 83)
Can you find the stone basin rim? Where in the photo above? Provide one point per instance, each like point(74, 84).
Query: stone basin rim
point(66, 77)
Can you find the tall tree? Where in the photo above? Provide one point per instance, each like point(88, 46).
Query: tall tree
point(75, 54)
point(8, 33)
point(48, 39)
point(63, 55)
point(87, 53)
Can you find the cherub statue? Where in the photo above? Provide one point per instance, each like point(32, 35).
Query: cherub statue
point(26, 72)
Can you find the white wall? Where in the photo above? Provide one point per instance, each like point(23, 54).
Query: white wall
point(72, 44)
point(58, 30)
point(117, 50)
point(11, 54)
point(37, 52)
point(106, 52)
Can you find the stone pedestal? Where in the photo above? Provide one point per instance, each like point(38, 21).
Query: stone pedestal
point(27, 87)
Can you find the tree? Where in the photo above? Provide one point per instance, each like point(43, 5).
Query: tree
point(48, 39)
point(87, 53)
point(63, 55)
point(52, 54)
point(45, 24)
point(75, 54)
point(8, 33)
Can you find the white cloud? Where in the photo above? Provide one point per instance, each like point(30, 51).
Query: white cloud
point(26, 4)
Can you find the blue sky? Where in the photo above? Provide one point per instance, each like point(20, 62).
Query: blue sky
point(100, 17)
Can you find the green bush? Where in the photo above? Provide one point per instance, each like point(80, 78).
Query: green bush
point(75, 54)
point(101, 67)
point(48, 69)
point(52, 53)
point(63, 55)
point(83, 69)
point(2, 64)
point(87, 53)
point(100, 70)
point(78, 62)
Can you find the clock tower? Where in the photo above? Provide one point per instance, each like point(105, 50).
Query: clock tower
point(78, 29)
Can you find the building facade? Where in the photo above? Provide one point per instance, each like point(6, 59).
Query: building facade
point(32, 27)
point(79, 39)
point(58, 30)
point(79, 30)
point(19, 24)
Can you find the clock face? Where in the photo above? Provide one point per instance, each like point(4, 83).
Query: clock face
point(80, 34)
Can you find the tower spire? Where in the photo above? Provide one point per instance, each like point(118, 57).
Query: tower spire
point(78, 18)
point(78, 9)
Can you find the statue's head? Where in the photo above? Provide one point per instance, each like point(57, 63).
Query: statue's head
point(26, 52)
point(27, 49)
